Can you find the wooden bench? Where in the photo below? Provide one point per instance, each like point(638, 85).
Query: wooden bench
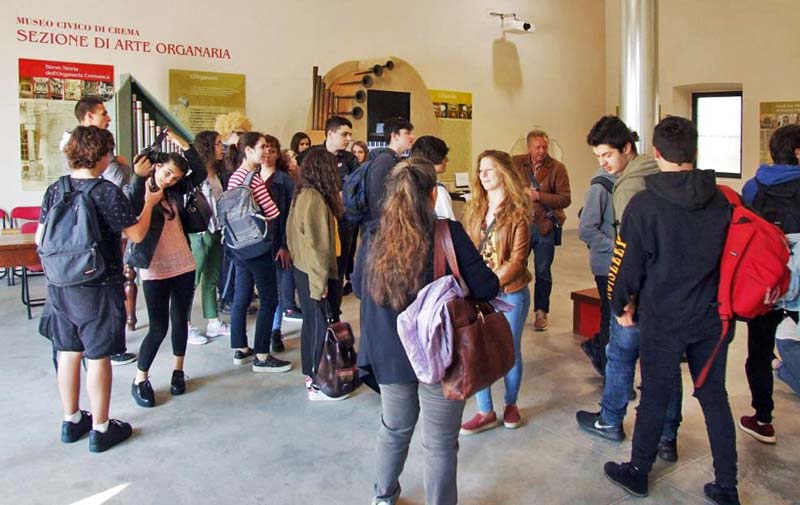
point(585, 312)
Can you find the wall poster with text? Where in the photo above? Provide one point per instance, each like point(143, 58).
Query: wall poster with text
point(453, 111)
point(48, 92)
point(196, 98)
point(773, 115)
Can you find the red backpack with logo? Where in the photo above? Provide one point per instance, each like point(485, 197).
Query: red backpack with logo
point(753, 264)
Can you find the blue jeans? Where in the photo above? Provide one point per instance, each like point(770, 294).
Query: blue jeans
point(516, 318)
point(544, 250)
point(789, 372)
point(261, 272)
point(286, 290)
point(622, 352)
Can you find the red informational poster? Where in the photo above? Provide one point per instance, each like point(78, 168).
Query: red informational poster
point(48, 91)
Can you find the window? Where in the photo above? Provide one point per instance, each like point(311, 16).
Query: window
point(718, 118)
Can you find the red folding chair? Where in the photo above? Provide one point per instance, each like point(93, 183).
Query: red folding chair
point(27, 271)
point(21, 214)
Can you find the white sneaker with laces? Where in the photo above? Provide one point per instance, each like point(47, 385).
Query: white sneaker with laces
point(315, 395)
point(195, 338)
point(218, 329)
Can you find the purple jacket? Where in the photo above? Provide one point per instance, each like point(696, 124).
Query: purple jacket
point(426, 331)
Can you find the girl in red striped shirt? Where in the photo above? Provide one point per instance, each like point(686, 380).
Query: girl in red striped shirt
point(252, 149)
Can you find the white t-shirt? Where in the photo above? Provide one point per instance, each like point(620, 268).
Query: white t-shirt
point(444, 204)
point(787, 330)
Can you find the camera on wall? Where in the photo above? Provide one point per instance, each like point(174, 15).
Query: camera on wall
point(510, 23)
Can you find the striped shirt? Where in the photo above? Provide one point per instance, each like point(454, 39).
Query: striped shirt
point(259, 190)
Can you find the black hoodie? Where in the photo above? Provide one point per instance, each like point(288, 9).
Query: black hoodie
point(668, 252)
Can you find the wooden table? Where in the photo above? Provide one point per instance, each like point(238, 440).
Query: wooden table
point(585, 312)
point(17, 250)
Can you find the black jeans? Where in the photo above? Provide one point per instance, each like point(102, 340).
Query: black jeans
point(169, 301)
point(261, 272)
point(660, 359)
point(315, 324)
point(758, 367)
point(348, 236)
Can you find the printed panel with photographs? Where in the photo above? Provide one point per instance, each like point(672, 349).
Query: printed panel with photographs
point(48, 92)
point(453, 111)
point(772, 116)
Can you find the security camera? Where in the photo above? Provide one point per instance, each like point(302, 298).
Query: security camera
point(510, 23)
point(518, 25)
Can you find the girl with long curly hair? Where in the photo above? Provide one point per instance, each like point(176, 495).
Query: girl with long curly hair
point(400, 263)
point(313, 240)
point(497, 219)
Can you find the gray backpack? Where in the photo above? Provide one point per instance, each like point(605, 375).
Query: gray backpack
point(244, 227)
point(69, 250)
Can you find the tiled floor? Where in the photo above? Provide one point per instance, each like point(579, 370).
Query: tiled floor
point(239, 437)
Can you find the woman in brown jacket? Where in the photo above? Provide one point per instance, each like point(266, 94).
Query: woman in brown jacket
point(497, 219)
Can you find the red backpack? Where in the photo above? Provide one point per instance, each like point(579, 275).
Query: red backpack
point(753, 262)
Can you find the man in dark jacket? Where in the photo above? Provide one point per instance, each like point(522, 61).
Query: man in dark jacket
point(666, 269)
point(775, 194)
point(338, 134)
point(398, 132)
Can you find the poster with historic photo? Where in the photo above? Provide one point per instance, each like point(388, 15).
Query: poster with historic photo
point(196, 98)
point(48, 91)
point(773, 115)
point(453, 111)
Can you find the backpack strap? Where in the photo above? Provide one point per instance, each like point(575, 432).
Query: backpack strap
point(731, 195)
point(248, 179)
point(443, 251)
point(607, 183)
point(64, 185)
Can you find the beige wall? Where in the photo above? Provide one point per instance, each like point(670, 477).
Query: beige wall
point(552, 78)
point(753, 45)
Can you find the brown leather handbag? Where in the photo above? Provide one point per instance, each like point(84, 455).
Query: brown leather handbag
point(483, 350)
point(337, 373)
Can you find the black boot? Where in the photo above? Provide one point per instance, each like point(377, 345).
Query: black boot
point(668, 450)
point(628, 477)
point(178, 384)
point(721, 495)
point(143, 394)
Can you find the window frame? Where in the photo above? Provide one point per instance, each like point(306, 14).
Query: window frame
point(717, 94)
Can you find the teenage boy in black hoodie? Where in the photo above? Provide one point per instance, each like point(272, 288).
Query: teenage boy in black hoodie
point(667, 258)
point(774, 193)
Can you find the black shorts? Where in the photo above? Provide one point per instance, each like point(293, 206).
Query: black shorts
point(87, 319)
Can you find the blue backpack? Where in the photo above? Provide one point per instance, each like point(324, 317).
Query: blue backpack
point(69, 250)
point(354, 194)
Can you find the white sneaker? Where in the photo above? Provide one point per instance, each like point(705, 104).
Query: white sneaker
point(218, 329)
point(195, 338)
point(315, 395)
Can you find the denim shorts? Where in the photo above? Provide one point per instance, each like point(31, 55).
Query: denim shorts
point(87, 319)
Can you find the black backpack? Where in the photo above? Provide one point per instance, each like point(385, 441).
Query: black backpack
point(779, 204)
point(354, 194)
point(603, 181)
point(69, 248)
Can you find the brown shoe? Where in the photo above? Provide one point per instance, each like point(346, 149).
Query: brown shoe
point(541, 321)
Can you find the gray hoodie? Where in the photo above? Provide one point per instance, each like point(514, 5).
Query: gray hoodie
point(596, 226)
point(631, 182)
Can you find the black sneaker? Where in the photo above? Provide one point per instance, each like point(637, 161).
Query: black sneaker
point(293, 315)
point(277, 341)
point(122, 359)
point(347, 289)
point(594, 424)
point(627, 477)
point(721, 495)
point(143, 394)
point(178, 383)
point(668, 450)
point(117, 432)
point(271, 364)
point(242, 357)
point(72, 432)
